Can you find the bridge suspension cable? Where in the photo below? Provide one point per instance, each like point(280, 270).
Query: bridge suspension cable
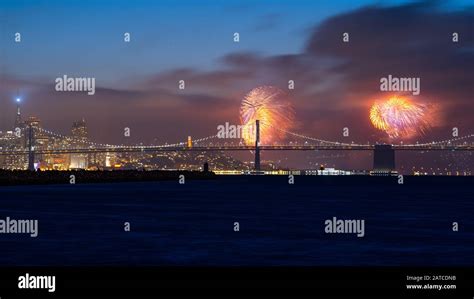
point(125, 146)
point(183, 143)
point(312, 138)
point(448, 141)
point(444, 141)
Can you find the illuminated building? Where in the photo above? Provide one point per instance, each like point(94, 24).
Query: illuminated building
point(79, 140)
point(79, 131)
point(18, 114)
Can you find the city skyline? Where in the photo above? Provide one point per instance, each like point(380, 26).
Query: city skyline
point(32, 147)
point(335, 83)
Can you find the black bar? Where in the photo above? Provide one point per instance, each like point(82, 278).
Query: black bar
point(155, 282)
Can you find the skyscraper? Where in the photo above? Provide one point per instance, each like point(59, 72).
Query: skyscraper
point(18, 114)
point(79, 131)
point(79, 139)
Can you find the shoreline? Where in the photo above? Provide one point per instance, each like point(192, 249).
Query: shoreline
point(54, 177)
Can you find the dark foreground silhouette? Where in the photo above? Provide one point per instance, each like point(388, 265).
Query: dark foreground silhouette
point(25, 177)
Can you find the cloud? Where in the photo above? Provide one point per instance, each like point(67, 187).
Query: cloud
point(335, 82)
point(413, 40)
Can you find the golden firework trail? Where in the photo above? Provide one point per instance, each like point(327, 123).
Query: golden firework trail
point(271, 106)
point(400, 117)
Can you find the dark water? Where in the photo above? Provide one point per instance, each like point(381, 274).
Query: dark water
point(280, 224)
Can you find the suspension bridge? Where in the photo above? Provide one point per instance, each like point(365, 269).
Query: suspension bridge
point(384, 154)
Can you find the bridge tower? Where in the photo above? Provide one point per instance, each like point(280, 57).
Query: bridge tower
point(257, 145)
point(190, 142)
point(31, 147)
point(384, 158)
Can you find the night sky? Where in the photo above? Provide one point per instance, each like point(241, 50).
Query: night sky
point(137, 82)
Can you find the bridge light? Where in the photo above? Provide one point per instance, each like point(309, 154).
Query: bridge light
point(18, 100)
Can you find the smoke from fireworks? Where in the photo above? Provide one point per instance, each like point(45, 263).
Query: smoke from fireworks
point(271, 106)
point(401, 118)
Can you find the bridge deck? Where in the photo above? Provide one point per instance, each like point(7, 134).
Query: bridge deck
point(134, 149)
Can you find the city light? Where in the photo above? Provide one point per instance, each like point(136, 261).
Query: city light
point(76, 151)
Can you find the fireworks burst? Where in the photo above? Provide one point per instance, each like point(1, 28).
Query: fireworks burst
point(400, 118)
point(271, 106)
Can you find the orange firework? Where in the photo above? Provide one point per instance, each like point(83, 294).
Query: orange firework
point(271, 106)
point(400, 117)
